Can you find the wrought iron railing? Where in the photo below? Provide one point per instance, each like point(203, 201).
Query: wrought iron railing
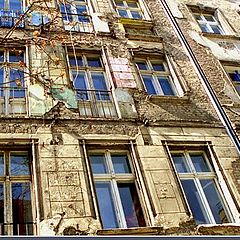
point(18, 228)
point(96, 103)
point(8, 18)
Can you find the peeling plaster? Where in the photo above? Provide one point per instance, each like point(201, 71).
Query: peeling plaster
point(219, 52)
point(99, 25)
point(173, 5)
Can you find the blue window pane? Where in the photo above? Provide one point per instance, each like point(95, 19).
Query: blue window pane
point(123, 13)
point(17, 84)
point(136, 15)
point(198, 17)
point(180, 163)
point(16, 56)
point(1, 164)
point(132, 4)
point(119, 3)
point(99, 83)
point(199, 163)
point(98, 164)
point(235, 76)
point(20, 164)
point(216, 29)
point(94, 62)
point(66, 11)
point(158, 67)
point(209, 18)
point(79, 82)
point(1, 4)
point(148, 81)
point(214, 201)
point(131, 205)
point(120, 163)
point(1, 56)
point(81, 9)
point(142, 65)
point(1, 204)
point(1, 83)
point(106, 205)
point(76, 61)
point(22, 208)
point(166, 86)
point(204, 28)
point(194, 202)
point(15, 5)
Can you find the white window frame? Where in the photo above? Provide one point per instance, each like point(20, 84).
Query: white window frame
point(114, 179)
point(154, 74)
point(207, 23)
point(196, 176)
point(7, 180)
point(75, 24)
point(8, 102)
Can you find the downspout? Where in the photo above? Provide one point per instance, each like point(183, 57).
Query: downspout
point(210, 92)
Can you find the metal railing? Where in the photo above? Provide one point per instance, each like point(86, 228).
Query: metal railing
point(8, 18)
point(18, 228)
point(77, 22)
point(96, 103)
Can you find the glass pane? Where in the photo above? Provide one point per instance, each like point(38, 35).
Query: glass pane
point(81, 9)
point(214, 201)
point(204, 28)
point(148, 81)
point(98, 163)
point(15, 5)
point(180, 163)
point(235, 76)
point(119, 3)
point(142, 65)
point(200, 163)
point(94, 62)
point(1, 5)
point(131, 205)
point(1, 204)
point(16, 56)
point(216, 29)
point(75, 61)
point(166, 86)
point(158, 67)
point(123, 13)
point(197, 16)
point(209, 18)
point(79, 82)
point(17, 84)
point(1, 164)
point(20, 164)
point(66, 11)
point(136, 15)
point(1, 56)
point(1, 82)
point(120, 163)
point(22, 209)
point(106, 205)
point(194, 202)
point(99, 83)
point(132, 4)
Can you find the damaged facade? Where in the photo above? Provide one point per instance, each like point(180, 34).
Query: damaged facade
point(106, 126)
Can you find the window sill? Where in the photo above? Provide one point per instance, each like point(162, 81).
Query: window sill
point(173, 99)
point(131, 231)
point(220, 36)
point(136, 22)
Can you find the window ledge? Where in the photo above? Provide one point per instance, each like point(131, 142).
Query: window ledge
point(131, 231)
point(141, 23)
point(174, 99)
point(147, 38)
point(220, 36)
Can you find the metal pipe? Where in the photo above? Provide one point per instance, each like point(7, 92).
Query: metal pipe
point(210, 92)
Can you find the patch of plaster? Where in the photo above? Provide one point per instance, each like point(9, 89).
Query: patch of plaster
point(173, 5)
point(219, 52)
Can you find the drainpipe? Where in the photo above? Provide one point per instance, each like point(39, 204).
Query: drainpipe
point(210, 92)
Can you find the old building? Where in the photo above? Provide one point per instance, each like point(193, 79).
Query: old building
point(119, 117)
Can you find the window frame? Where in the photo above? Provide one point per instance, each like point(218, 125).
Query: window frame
point(155, 74)
point(114, 179)
point(196, 177)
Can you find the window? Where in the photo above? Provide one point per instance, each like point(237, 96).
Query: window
point(16, 216)
point(234, 74)
point(10, 11)
point(199, 182)
point(75, 15)
point(12, 84)
point(156, 77)
point(129, 9)
point(91, 85)
point(117, 195)
point(208, 23)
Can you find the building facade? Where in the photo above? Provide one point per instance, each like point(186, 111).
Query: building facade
point(119, 117)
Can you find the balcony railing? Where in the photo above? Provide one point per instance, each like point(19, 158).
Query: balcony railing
point(8, 18)
point(96, 103)
point(18, 228)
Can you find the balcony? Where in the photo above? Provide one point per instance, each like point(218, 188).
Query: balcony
point(96, 103)
point(8, 18)
point(18, 229)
